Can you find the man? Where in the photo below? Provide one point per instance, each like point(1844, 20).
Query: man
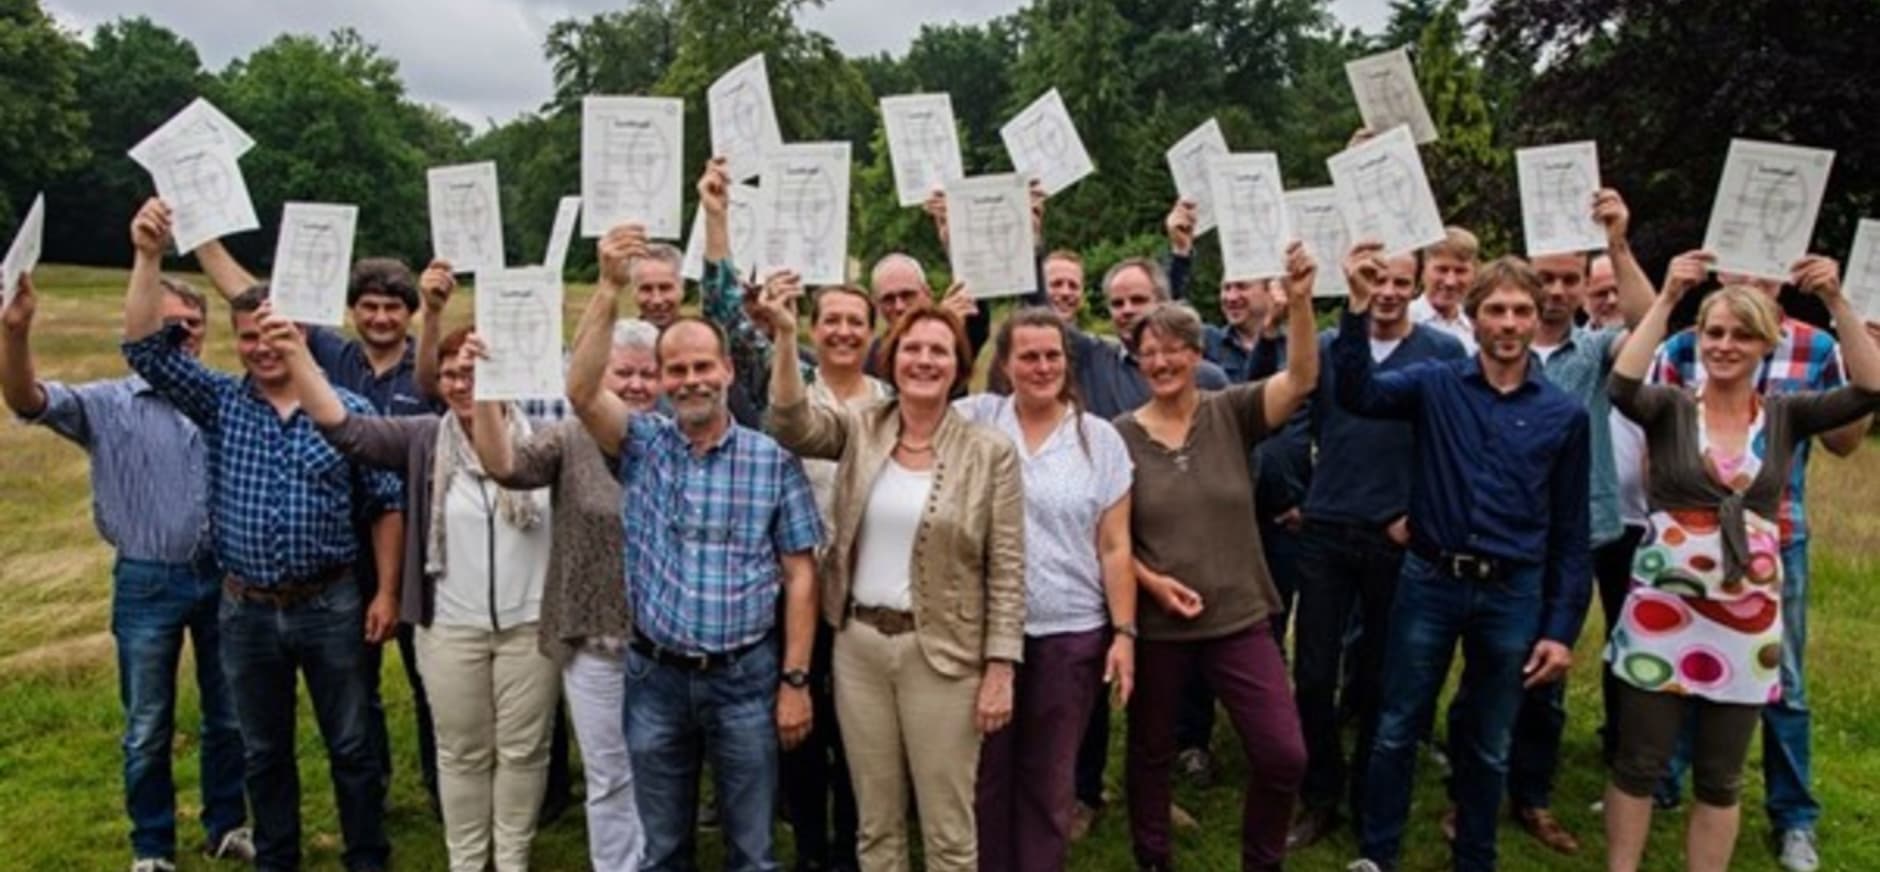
point(282, 505)
point(815, 774)
point(1448, 271)
point(1498, 550)
point(398, 376)
point(1578, 360)
point(1805, 359)
point(1351, 552)
point(719, 521)
point(164, 582)
point(1064, 283)
point(1602, 294)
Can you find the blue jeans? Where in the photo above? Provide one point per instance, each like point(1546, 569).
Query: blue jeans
point(1497, 623)
point(263, 647)
point(1787, 773)
point(153, 605)
point(674, 717)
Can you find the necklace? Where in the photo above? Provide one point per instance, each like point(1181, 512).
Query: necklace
point(913, 449)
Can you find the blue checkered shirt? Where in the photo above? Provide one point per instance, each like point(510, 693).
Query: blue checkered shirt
point(704, 533)
point(281, 501)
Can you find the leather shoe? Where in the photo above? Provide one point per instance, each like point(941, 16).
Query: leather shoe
point(1547, 829)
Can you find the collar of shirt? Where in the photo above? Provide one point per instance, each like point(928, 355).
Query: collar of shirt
point(1532, 381)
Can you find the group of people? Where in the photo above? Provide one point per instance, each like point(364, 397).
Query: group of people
point(844, 579)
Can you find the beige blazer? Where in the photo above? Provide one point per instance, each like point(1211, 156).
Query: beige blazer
point(969, 557)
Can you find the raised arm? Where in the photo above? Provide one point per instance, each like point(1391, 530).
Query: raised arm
point(436, 287)
point(1635, 289)
point(1288, 389)
point(1635, 357)
point(224, 271)
point(369, 439)
point(19, 385)
point(143, 302)
point(603, 414)
point(1821, 276)
point(807, 428)
point(1180, 227)
point(1360, 388)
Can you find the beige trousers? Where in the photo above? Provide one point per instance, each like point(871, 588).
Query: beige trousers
point(493, 698)
point(900, 717)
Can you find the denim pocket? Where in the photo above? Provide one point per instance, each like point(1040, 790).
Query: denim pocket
point(638, 667)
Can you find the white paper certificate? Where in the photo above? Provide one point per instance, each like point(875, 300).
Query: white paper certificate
point(1043, 144)
point(923, 145)
point(562, 234)
point(519, 320)
point(1320, 224)
point(805, 203)
point(743, 119)
point(1767, 200)
point(1557, 187)
point(989, 233)
point(1188, 164)
point(744, 218)
point(1384, 193)
point(1862, 284)
point(312, 260)
point(1255, 225)
point(202, 184)
point(466, 216)
point(632, 154)
point(23, 255)
point(1386, 87)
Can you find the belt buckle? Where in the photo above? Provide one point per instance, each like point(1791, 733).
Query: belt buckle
point(1471, 567)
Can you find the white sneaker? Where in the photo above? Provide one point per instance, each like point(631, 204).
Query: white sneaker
point(153, 864)
point(1363, 866)
point(1795, 851)
point(236, 844)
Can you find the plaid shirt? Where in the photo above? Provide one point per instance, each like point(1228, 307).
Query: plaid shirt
point(704, 533)
point(1806, 358)
point(281, 500)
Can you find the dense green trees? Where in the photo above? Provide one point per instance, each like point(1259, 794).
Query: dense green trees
point(1661, 86)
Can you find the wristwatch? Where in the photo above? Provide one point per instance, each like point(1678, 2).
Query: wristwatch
point(1126, 629)
point(797, 678)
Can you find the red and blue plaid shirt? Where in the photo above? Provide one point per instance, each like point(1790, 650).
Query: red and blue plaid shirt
point(1806, 358)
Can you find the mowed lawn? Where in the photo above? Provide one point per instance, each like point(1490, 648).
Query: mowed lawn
point(60, 763)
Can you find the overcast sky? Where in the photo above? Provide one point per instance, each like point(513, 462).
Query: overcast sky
point(482, 59)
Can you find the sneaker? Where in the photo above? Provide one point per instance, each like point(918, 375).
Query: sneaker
point(1795, 851)
point(1363, 866)
point(1196, 766)
point(152, 864)
point(236, 844)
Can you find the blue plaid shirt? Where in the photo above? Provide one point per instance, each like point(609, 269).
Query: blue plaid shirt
point(281, 500)
point(704, 533)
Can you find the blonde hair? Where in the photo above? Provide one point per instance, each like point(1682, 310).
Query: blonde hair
point(1750, 306)
point(1457, 242)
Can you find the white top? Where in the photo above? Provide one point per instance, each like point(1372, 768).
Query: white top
point(884, 554)
point(1066, 493)
point(1382, 348)
point(464, 595)
point(1545, 352)
point(1628, 457)
point(1422, 312)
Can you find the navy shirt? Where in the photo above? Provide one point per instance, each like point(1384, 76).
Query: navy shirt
point(1364, 464)
point(395, 392)
point(1501, 475)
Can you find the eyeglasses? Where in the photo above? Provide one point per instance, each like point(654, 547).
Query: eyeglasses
point(192, 323)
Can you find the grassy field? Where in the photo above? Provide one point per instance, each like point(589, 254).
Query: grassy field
point(60, 783)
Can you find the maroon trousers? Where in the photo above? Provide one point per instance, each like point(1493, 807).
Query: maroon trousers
point(1248, 675)
point(1023, 802)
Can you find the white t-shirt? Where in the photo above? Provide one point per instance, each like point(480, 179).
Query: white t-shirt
point(464, 595)
point(1382, 348)
point(1628, 458)
point(1546, 352)
point(1422, 312)
point(1066, 493)
point(884, 552)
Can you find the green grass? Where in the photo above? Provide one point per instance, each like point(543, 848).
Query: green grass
point(60, 785)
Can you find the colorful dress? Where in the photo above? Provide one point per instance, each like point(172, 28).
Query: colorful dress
point(1686, 627)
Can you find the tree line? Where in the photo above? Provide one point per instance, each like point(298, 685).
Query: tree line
point(1663, 87)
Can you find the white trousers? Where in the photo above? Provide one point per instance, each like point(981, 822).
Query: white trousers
point(596, 683)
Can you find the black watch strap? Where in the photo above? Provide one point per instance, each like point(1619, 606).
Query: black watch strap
point(797, 678)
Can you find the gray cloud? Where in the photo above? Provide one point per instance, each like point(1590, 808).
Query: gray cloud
point(482, 59)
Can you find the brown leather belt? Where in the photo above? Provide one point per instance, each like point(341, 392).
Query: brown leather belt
point(285, 594)
point(888, 622)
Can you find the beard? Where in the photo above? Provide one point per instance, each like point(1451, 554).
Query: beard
point(696, 407)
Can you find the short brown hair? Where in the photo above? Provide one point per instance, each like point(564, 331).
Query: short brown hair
point(382, 276)
point(1504, 271)
point(1068, 256)
point(453, 343)
point(926, 311)
point(816, 298)
point(1457, 242)
point(183, 291)
point(1173, 320)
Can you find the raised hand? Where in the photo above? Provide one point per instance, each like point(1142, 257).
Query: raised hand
point(776, 304)
point(150, 228)
point(1038, 197)
point(1610, 211)
point(714, 186)
point(1819, 275)
point(1301, 269)
point(280, 334)
point(1687, 270)
point(936, 208)
point(436, 286)
point(960, 301)
point(1180, 225)
point(617, 251)
point(19, 313)
point(1365, 269)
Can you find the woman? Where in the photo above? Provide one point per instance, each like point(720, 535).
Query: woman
point(923, 579)
point(1080, 590)
point(1193, 525)
point(476, 557)
point(584, 611)
point(1700, 633)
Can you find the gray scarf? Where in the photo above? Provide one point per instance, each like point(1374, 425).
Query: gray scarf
point(454, 455)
